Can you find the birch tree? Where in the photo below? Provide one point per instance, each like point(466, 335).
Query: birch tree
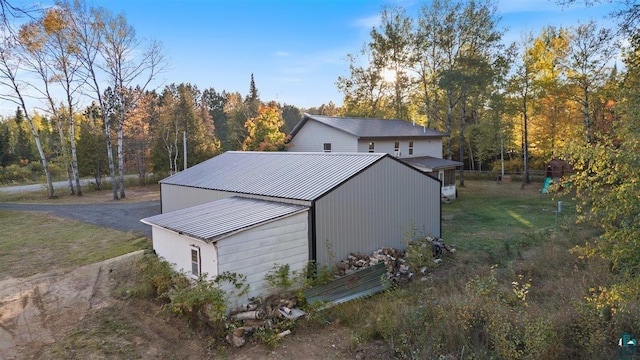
point(126, 67)
point(10, 65)
point(590, 50)
point(49, 50)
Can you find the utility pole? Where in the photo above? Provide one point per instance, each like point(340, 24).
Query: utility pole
point(184, 146)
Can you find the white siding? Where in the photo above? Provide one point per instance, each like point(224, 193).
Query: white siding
point(376, 209)
point(252, 252)
point(255, 252)
point(175, 197)
point(421, 147)
point(176, 250)
point(313, 135)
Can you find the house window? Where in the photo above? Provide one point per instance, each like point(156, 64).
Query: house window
point(195, 261)
point(371, 147)
point(410, 147)
point(327, 147)
point(396, 148)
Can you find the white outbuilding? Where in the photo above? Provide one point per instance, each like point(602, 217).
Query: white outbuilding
point(247, 212)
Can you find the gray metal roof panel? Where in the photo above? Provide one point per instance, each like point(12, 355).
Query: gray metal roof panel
point(372, 128)
point(431, 162)
point(216, 219)
point(290, 175)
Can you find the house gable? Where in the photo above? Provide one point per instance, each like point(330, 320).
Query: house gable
point(363, 134)
point(313, 136)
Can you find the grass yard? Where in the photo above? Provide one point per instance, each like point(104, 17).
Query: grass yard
point(512, 290)
point(489, 216)
point(34, 242)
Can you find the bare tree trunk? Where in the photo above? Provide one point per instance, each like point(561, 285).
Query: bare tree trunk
point(65, 155)
point(74, 155)
point(43, 158)
point(585, 111)
point(9, 72)
point(463, 123)
point(447, 125)
point(112, 171)
point(121, 160)
point(525, 141)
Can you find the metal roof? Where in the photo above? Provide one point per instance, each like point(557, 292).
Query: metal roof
point(371, 128)
point(289, 175)
point(362, 283)
point(431, 162)
point(217, 219)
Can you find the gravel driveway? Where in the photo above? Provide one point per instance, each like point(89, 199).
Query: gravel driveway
point(119, 216)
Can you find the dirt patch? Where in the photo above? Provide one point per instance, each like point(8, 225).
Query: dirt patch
point(36, 311)
point(74, 315)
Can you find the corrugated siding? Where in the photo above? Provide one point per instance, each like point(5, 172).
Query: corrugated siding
point(220, 218)
point(376, 209)
point(300, 176)
point(175, 197)
point(313, 135)
point(255, 252)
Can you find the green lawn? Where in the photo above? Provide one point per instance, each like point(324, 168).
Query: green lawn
point(488, 216)
point(34, 242)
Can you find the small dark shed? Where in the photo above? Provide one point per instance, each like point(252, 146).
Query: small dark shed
point(558, 168)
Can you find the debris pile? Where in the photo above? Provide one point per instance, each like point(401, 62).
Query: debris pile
point(396, 261)
point(438, 247)
point(276, 309)
point(259, 314)
point(393, 259)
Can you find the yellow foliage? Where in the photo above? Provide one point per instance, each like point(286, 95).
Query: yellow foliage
point(53, 21)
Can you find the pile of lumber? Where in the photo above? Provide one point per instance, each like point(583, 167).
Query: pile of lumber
point(397, 268)
point(259, 314)
point(392, 258)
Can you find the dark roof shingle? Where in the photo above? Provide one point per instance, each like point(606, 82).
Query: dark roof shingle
point(371, 128)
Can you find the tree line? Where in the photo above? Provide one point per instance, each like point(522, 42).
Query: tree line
point(448, 68)
point(565, 92)
point(67, 53)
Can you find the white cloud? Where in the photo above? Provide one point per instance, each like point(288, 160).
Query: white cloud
point(288, 79)
point(367, 22)
point(523, 6)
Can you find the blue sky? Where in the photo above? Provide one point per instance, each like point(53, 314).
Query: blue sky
point(295, 49)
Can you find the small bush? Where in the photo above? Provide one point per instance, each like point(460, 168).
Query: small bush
point(199, 302)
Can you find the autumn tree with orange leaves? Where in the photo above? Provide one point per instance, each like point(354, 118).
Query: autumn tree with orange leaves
point(264, 130)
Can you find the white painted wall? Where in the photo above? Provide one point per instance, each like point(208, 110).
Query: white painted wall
point(252, 252)
point(421, 147)
point(255, 252)
point(176, 250)
point(313, 135)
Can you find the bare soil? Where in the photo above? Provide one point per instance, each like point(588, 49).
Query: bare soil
point(78, 314)
point(73, 315)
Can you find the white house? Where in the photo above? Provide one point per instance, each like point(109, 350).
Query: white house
point(247, 211)
point(416, 145)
